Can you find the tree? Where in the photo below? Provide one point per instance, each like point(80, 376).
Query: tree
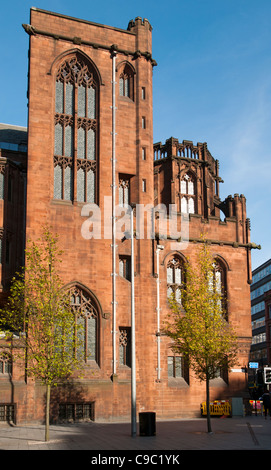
point(39, 309)
point(199, 327)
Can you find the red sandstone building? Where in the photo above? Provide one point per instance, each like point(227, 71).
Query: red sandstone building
point(90, 141)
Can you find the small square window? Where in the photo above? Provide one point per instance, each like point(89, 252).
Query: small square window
point(143, 153)
point(144, 186)
point(125, 267)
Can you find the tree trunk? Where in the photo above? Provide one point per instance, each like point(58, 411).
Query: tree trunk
point(47, 412)
point(209, 428)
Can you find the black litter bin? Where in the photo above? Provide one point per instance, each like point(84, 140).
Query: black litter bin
point(147, 425)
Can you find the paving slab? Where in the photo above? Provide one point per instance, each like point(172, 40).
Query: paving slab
point(237, 433)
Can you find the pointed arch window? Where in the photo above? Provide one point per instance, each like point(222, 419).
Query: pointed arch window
point(126, 81)
point(5, 364)
point(219, 284)
point(175, 278)
point(188, 194)
point(76, 130)
point(124, 190)
point(87, 317)
point(125, 346)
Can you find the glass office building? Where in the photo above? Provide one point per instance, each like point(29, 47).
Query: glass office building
point(261, 283)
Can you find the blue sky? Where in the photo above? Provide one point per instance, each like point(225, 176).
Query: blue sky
point(212, 83)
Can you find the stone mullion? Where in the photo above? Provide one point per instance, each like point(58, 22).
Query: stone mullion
point(64, 113)
point(75, 136)
point(86, 127)
point(96, 117)
point(63, 181)
point(86, 182)
point(86, 138)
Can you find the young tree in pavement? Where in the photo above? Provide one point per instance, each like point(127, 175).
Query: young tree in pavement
point(39, 309)
point(198, 326)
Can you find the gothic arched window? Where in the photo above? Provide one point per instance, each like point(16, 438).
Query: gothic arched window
point(86, 315)
point(219, 284)
point(188, 194)
point(175, 278)
point(126, 81)
point(76, 129)
point(125, 346)
point(5, 364)
point(124, 190)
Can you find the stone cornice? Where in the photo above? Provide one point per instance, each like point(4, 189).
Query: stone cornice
point(113, 48)
point(234, 244)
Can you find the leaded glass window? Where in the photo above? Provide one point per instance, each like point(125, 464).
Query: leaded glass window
point(90, 185)
point(59, 104)
point(124, 85)
point(68, 152)
point(175, 366)
point(86, 179)
point(126, 82)
point(75, 148)
point(218, 284)
point(187, 194)
point(5, 364)
point(125, 267)
point(87, 324)
point(124, 191)
point(175, 278)
point(125, 346)
point(81, 180)
point(81, 145)
point(68, 183)
point(59, 139)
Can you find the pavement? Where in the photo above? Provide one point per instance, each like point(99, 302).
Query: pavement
point(172, 438)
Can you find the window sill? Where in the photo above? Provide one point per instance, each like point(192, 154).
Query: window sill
point(218, 382)
point(4, 377)
point(124, 279)
point(177, 382)
point(61, 202)
point(124, 367)
point(126, 99)
point(92, 363)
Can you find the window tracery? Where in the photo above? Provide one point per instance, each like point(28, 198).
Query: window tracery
point(219, 284)
point(86, 315)
point(125, 346)
point(76, 127)
point(125, 267)
point(5, 364)
point(188, 194)
point(124, 190)
point(126, 82)
point(175, 278)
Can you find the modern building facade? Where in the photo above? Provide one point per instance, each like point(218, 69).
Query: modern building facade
point(267, 299)
point(261, 284)
point(13, 171)
point(89, 150)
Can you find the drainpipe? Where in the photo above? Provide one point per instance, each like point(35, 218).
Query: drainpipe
point(158, 334)
point(133, 358)
point(113, 186)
